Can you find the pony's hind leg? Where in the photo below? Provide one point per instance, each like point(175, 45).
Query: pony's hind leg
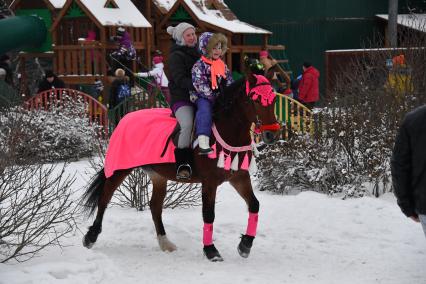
point(159, 191)
point(243, 186)
point(99, 195)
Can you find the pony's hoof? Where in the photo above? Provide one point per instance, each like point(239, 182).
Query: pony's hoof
point(87, 243)
point(212, 253)
point(245, 245)
point(165, 244)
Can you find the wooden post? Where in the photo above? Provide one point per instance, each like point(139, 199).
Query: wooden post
point(149, 31)
point(148, 45)
point(265, 40)
point(103, 60)
point(229, 53)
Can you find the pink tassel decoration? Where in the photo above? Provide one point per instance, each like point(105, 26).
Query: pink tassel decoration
point(245, 164)
point(221, 160)
point(213, 155)
point(255, 151)
point(253, 166)
point(235, 161)
point(228, 162)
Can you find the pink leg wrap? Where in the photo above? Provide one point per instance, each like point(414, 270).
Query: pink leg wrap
point(252, 224)
point(208, 234)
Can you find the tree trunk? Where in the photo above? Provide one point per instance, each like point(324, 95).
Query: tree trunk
point(393, 24)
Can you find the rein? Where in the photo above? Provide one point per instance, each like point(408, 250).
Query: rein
point(225, 145)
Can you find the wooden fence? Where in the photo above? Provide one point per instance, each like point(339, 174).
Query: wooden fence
point(96, 111)
point(294, 116)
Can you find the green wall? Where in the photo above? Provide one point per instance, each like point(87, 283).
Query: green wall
point(309, 27)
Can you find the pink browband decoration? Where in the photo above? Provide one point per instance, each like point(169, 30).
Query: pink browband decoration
point(262, 89)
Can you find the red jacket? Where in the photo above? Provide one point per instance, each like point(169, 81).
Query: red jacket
point(309, 86)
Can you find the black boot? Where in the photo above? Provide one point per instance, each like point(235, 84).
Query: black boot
point(245, 245)
point(212, 253)
point(183, 163)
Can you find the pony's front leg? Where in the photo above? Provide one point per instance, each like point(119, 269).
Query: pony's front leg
point(243, 186)
point(209, 198)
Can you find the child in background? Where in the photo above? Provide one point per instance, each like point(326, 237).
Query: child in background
point(99, 87)
point(209, 75)
point(160, 77)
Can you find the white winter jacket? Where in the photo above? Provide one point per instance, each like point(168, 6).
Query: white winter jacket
point(158, 73)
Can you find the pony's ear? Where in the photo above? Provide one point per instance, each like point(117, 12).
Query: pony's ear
point(251, 78)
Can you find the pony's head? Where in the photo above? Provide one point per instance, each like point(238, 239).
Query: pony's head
point(261, 107)
point(250, 100)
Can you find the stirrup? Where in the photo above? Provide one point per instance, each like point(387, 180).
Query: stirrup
point(184, 168)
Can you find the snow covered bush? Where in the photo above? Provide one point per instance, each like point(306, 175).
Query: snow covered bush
point(36, 208)
point(58, 134)
point(349, 153)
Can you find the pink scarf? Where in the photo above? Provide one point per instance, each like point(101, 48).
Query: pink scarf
point(217, 68)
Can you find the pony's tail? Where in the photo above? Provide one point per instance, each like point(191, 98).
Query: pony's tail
point(91, 197)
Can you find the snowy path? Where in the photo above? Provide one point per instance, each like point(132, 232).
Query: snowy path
point(306, 238)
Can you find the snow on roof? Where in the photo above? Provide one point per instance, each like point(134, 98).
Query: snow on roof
point(367, 49)
point(165, 4)
point(413, 21)
point(58, 4)
point(214, 17)
point(125, 15)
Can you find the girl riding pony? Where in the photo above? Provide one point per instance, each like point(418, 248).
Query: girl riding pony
point(209, 76)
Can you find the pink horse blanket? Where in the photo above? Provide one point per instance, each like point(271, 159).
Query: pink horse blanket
point(139, 139)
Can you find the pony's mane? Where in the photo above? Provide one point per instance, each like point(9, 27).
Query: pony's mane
point(225, 100)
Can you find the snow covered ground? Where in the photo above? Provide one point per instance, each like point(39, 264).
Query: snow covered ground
point(304, 238)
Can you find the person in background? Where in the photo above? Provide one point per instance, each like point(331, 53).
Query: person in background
point(120, 89)
point(279, 79)
point(125, 49)
point(183, 54)
point(5, 64)
point(99, 87)
point(50, 81)
point(309, 86)
point(123, 56)
point(159, 76)
point(408, 166)
point(295, 86)
point(2, 74)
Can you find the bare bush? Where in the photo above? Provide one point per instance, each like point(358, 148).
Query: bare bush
point(136, 189)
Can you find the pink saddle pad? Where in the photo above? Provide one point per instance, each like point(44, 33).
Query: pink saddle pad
point(139, 139)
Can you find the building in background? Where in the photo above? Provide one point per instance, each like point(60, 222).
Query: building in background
point(308, 28)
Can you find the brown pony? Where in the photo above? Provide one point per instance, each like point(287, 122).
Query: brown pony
point(240, 105)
